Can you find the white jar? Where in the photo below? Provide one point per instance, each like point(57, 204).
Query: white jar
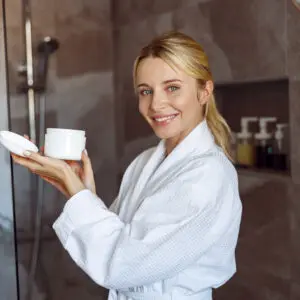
point(66, 144)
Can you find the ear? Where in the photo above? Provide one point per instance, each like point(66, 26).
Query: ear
point(205, 92)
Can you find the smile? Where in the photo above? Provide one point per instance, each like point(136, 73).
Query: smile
point(165, 119)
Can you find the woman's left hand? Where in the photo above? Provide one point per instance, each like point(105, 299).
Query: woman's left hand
point(55, 170)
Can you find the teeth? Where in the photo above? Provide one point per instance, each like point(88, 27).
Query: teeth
point(165, 118)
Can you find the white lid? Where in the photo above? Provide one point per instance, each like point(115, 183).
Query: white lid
point(263, 135)
point(16, 143)
point(66, 131)
point(244, 135)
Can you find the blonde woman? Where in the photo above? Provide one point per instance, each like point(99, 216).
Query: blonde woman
point(172, 231)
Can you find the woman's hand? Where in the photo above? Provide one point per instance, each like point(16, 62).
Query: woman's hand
point(85, 172)
point(55, 171)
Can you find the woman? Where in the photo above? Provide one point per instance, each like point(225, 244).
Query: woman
point(172, 231)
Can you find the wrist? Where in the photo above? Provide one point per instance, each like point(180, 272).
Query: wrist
point(73, 183)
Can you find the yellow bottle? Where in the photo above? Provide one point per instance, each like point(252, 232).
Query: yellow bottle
point(245, 146)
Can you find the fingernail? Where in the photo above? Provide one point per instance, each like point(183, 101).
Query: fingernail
point(86, 153)
point(27, 153)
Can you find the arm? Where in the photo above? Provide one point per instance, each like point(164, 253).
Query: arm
point(99, 242)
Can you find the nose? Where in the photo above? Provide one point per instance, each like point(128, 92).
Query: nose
point(158, 102)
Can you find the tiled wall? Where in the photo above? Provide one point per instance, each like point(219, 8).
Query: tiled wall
point(250, 46)
point(245, 41)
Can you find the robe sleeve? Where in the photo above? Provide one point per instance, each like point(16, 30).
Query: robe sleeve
point(101, 244)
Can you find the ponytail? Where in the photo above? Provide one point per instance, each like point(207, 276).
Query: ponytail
point(218, 126)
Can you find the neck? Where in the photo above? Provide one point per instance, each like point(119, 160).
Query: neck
point(172, 142)
point(170, 145)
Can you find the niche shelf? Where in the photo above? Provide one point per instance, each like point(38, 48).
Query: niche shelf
point(255, 98)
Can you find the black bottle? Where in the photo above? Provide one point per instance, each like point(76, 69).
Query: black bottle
point(264, 146)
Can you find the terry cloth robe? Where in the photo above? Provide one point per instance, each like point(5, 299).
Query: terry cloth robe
point(172, 231)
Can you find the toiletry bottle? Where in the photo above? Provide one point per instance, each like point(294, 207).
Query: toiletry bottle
point(264, 146)
point(280, 162)
point(245, 148)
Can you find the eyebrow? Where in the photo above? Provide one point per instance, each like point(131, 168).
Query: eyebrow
point(164, 82)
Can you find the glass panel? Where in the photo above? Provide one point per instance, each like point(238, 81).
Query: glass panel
point(8, 284)
point(78, 94)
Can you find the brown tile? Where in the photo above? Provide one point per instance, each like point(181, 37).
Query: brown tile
point(253, 43)
point(162, 22)
point(293, 45)
point(43, 18)
point(269, 250)
point(294, 91)
point(85, 32)
point(165, 6)
point(140, 10)
point(198, 18)
point(15, 55)
point(13, 11)
point(121, 12)
point(88, 14)
point(252, 285)
point(91, 50)
point(295, 232)
point(295, 255)
point(263, 205)
point(198, 26)
point(295, 291)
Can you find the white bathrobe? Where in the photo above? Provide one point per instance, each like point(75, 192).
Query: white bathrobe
point(172, 231)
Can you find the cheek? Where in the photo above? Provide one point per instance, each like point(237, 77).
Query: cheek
point(186, 103)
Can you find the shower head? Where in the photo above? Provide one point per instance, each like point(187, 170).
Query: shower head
point(45, 48)
point(48, 45)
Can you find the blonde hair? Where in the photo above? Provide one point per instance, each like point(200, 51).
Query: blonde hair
point(180, 50)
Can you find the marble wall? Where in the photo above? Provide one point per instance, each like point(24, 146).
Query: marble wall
point(245, 41)
point(252, 45)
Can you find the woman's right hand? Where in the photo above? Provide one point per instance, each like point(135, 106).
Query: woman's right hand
point(84, 172)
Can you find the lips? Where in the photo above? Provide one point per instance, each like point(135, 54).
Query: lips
point(164, 119)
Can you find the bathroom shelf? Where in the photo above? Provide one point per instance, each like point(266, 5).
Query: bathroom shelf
point(264, 174)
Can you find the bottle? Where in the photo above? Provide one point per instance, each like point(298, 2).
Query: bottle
point(245, 149)
point(264, 147)
point(280, 150)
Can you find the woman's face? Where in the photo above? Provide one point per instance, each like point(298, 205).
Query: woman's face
point(169, 99)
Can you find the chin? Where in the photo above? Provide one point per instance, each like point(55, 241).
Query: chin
point(164, 133)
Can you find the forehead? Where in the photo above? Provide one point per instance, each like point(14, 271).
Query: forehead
point(154, 70)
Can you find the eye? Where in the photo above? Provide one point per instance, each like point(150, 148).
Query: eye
point(145, 92)
point(172, 88)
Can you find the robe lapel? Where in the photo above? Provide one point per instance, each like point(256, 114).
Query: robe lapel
point(199, 141)
point(157, 169)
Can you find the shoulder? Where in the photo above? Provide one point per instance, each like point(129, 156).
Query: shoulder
point(212, 166)
point(209, 179)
